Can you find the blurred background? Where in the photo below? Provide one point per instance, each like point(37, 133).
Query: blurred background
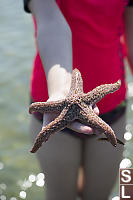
point(20, 174)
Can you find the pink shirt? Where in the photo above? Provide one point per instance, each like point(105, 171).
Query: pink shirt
point(96, 27)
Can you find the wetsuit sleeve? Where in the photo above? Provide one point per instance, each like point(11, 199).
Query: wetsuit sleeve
point(130, 3)
point(26, 5)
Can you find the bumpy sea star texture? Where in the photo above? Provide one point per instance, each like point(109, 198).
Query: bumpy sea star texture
point(76, 106)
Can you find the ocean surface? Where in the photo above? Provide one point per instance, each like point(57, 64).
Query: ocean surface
point(20, 174)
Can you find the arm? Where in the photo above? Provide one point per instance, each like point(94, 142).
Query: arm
point(55, 46)
point(128, 18)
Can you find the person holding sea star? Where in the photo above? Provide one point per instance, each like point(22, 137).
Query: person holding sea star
point(84, 34)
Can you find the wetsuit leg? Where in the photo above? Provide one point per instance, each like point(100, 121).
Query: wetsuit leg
point(101, 164)
point(59, 159)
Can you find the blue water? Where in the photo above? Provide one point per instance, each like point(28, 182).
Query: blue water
point(16, 55)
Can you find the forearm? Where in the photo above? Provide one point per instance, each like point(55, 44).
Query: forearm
point(56, 54)
point(55, 47)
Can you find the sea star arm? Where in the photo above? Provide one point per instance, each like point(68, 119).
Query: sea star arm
point(58, 124)
point(99, 92)
point(88, 117)
point(76, 83)
point(106, 139)
point(56, 106)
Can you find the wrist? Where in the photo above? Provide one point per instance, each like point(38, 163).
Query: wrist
point(59, 82)
point(58, 95)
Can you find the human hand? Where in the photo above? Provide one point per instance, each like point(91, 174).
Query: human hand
point(75, 125)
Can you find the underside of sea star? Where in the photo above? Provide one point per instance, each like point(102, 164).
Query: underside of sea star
point(76, 106)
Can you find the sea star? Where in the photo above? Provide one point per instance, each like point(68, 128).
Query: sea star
point(76, 106)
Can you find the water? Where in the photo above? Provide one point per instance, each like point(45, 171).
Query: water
point(16, 55)
point(19, 168)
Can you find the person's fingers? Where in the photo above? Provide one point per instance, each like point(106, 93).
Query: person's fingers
point(75, 125)
point(80, 128)
point(48, 117)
